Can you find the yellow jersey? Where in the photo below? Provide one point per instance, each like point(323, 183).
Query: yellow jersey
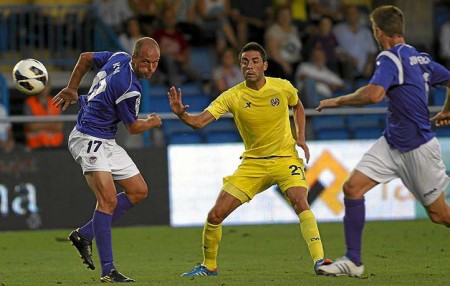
point(261, 116)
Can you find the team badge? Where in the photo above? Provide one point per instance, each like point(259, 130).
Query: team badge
point(92, 159)
point(274, 102)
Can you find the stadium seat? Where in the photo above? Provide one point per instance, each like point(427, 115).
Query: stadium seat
point(328, 122)
point(176, 126)
point(367, 133)
point(222, 137)
point(332, 134)
point(191, 88)
point(202, 60)
point(365, 121)
point(158, 90)
point(159, 104)
point(184, 138)
point(197, 103)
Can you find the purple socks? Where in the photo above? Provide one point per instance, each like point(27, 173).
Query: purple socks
point(354, 219)
point(101, 223)
point(123, 204)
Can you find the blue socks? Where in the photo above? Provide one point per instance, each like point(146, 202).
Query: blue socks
point(123, 204)
point(101, 223)
point(354, 219)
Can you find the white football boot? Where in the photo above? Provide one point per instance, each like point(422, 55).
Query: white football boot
point(341, 266)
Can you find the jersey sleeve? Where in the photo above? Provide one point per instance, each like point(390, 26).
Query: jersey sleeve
point(100, 58)
point(220, 105)
point(440, 75)
point(128, 107)
point(292, 94)
point(386, 73)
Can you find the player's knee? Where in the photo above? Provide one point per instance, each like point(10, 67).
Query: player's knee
point(139, 195)
point(214, 217)
point(107, 204)
point(347, 188)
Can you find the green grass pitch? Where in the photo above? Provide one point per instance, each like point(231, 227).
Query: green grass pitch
point(394, 253)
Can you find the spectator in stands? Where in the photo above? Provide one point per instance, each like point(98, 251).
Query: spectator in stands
point(250, 18)
point(325, 39)
point(283, 45)
point(227, 74)
point(131, 34)
point(6, 134)
point(318, 81)
point(186, 15)
point(444, 43)
point(113, 12)
point(325, 8)
point(175, 51)
point(299, 12)
point(215, 15)
point(42, 134)
point(357, 48)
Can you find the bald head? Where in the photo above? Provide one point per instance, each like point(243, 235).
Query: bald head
point(145, 57)
point(144, 43)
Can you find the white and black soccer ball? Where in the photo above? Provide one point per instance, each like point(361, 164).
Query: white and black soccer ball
point(30, 76)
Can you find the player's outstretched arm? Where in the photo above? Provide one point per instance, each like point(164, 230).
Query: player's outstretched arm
point(365, 95)
point(195, 121)
point(69, 95)
point(140, 125)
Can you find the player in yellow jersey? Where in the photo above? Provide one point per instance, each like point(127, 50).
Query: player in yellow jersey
point(260, 106)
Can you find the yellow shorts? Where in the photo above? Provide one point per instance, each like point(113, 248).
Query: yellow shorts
point(254, 176)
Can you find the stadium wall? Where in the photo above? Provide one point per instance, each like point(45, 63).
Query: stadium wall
point(46, 190)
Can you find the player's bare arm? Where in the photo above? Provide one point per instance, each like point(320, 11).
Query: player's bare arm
point(365, 95)
point(140, 125)
point(69, 94)
point(299, 122)
point(179, 109)
point(443, 117)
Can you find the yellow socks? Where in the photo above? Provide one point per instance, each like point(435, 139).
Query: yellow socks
point(310, 233)
point(212, 234)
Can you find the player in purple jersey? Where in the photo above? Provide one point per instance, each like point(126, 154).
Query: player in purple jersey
point(408, 148)
point(113, 97)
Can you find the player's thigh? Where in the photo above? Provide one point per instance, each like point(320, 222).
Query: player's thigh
point(288, 172)
point(102, 184)
point(424, 173)
point(248, 180)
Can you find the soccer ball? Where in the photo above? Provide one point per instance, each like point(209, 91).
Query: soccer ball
point(30, 76)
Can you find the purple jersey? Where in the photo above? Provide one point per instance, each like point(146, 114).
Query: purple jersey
point(407, 75)
point(114, 96)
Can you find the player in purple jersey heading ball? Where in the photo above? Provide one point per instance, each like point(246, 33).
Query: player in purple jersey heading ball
point(408, 148)
point(113, 97)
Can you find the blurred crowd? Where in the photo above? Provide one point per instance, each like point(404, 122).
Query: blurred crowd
point(324, 47)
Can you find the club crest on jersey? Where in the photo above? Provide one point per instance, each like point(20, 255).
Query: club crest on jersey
point(275, 102)
point(92, 159)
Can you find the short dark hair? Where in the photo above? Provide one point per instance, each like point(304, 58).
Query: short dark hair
point(253, 46)
point(389, 19)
